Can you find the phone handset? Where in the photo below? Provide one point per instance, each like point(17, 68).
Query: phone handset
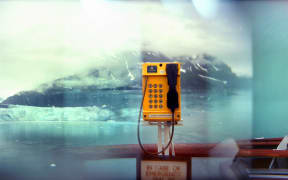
point(172, 95)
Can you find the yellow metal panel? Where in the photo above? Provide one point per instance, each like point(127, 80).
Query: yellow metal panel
point(161, 68)
point(155, 101)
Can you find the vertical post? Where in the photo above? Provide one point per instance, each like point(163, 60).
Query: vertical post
point(159, 137)
point(172, 146)
point(166, 137)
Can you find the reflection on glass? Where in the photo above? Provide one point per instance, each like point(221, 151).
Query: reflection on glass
point(71, 78)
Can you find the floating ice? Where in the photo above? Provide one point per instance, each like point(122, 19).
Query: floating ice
point(52, 165)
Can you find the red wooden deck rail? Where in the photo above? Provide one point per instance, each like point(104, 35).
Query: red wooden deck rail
point(246, 149)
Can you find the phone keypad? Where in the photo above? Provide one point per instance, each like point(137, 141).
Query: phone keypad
point(155, 96)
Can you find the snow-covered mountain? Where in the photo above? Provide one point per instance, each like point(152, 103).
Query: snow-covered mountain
point(200, 72)
point(205, 72)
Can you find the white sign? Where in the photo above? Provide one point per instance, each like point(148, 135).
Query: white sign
point(163, 170)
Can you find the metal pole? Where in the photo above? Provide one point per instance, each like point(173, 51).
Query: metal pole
point(167, 137)
point(172, 146)
point(159, 137)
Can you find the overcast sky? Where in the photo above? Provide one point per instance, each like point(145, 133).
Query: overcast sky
point(41, 41)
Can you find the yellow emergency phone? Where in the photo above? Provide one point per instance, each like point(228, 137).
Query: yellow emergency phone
point(161, 91)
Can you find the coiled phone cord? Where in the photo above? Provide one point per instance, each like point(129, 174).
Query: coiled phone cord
point(138, 127)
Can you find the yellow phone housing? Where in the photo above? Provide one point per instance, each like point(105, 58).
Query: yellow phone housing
point(155, 101)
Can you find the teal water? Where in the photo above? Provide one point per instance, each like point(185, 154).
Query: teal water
point(206, 118)
point(30, 144)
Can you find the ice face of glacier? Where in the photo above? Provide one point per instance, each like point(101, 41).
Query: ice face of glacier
point(30, 113)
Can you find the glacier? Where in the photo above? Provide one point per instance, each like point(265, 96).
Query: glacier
point(32, 113)
point(114, 121)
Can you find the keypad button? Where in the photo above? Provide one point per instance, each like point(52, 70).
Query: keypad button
point(160, 90)
point(150, 106)
point(160, 95)
point(150, 101)
point(150, 95)
point(160, 106)
point(155, 96)
point(155, 101)
point(155, 85)
point(155, 106)
point(150, 85)
point(160, 86)
point(160, 101)
point(155, 90)
point(150, 91)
